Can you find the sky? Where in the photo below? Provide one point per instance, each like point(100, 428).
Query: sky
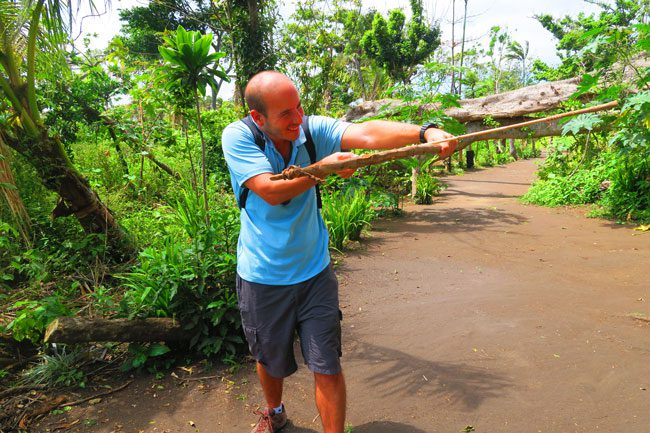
point(515, 15)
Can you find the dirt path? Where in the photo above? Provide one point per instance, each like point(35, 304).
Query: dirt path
point(475, 311)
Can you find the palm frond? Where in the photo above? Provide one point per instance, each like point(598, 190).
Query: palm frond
point(13, 28)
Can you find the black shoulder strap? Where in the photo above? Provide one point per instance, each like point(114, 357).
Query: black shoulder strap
point(259, 140)
point(311, 149)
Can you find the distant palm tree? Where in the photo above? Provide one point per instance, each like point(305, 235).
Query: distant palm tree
point(516, 51)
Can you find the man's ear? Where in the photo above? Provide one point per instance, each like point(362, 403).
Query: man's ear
point(258, 118)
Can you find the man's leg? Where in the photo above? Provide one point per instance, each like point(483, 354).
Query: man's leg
point(330, 400)
point(272, 387)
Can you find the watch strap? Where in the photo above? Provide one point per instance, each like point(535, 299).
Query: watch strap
point(423, 130)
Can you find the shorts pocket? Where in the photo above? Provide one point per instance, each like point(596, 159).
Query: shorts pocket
point(253, 340)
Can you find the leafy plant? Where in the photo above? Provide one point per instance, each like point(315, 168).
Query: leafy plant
point(190, 68)
point(140, 354)
point(192, 279)
point(58, 370)
point(32, 317)
point(346, 215)
point(427, 187)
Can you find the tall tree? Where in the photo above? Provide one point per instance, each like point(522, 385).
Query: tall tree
point(462, 51)
point(580, 40)
point(250, 24)
point(144, 26)
point(33, 34)
point(355, 24)
point(400, 46)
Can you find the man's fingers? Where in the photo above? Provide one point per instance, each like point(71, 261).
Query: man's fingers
point(446, 150)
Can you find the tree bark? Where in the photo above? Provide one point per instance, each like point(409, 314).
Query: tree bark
point(513, 149)
point(499, 144)
point(516, 103)
point(47, 156)
point(10, 192)
point(81, 330)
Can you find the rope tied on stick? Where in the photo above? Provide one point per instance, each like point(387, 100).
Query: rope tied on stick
point(295, 171)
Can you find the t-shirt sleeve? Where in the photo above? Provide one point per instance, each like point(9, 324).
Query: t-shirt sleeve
point(244, 158)
point(327, 134)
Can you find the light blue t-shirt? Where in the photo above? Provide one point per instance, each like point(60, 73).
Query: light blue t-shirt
point(283, 244)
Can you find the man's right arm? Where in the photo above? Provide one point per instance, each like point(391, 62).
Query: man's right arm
point(275, 192)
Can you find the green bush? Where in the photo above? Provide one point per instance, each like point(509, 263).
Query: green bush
point(32, 317)
point(192, 278)
point(583, 187)
point(57, 370)
point(346, 215)
point(214, 123)
point(628, 196)
point(427, 187)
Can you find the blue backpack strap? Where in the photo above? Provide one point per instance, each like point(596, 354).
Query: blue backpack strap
point(259, 140)
point(311, 149)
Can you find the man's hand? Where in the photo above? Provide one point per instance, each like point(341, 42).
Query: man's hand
point(341, 156)
point(447, 148)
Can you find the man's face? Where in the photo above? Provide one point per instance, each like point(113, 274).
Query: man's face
point(283, 113)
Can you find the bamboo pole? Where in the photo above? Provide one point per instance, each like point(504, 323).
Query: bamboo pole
point(320, 170)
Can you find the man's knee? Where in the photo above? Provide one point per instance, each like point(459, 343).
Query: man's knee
point(329, 380)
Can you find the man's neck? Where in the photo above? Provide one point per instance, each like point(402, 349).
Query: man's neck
point(284, 147)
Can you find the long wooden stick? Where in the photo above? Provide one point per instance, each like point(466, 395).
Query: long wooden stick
point(320, 170)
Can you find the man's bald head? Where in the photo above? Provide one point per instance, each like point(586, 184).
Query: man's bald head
point(260, 85)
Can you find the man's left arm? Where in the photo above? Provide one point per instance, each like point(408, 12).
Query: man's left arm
point(382, 134)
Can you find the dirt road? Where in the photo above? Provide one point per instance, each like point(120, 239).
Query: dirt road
point(475, 311)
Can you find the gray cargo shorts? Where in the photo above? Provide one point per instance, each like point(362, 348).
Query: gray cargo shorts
point(271, 316)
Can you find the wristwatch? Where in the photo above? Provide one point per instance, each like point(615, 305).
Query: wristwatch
point(424, 128)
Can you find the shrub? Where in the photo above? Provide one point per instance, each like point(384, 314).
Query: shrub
point(427, 187)
point(57, 370)
point(32, 317)
point(583, 187)
point(346, 215)
point(192, 279)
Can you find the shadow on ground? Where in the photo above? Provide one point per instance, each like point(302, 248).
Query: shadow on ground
point(398, 372)
point(433, 220)
point(290, 428)
point(386, 427)
point(453, 191)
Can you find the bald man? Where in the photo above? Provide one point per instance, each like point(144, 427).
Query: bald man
point(285, 283)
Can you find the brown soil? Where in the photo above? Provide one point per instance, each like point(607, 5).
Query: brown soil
point(475, 311)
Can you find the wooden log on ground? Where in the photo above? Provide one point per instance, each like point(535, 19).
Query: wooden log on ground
point(83, 330)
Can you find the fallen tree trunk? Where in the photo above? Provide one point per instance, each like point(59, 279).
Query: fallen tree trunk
point(81, 330)
point(516, 103)
point(548, 129)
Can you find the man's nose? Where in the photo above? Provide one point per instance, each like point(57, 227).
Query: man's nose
point(297, 116)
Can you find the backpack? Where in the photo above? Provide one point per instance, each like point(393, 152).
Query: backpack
point(259, 140)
